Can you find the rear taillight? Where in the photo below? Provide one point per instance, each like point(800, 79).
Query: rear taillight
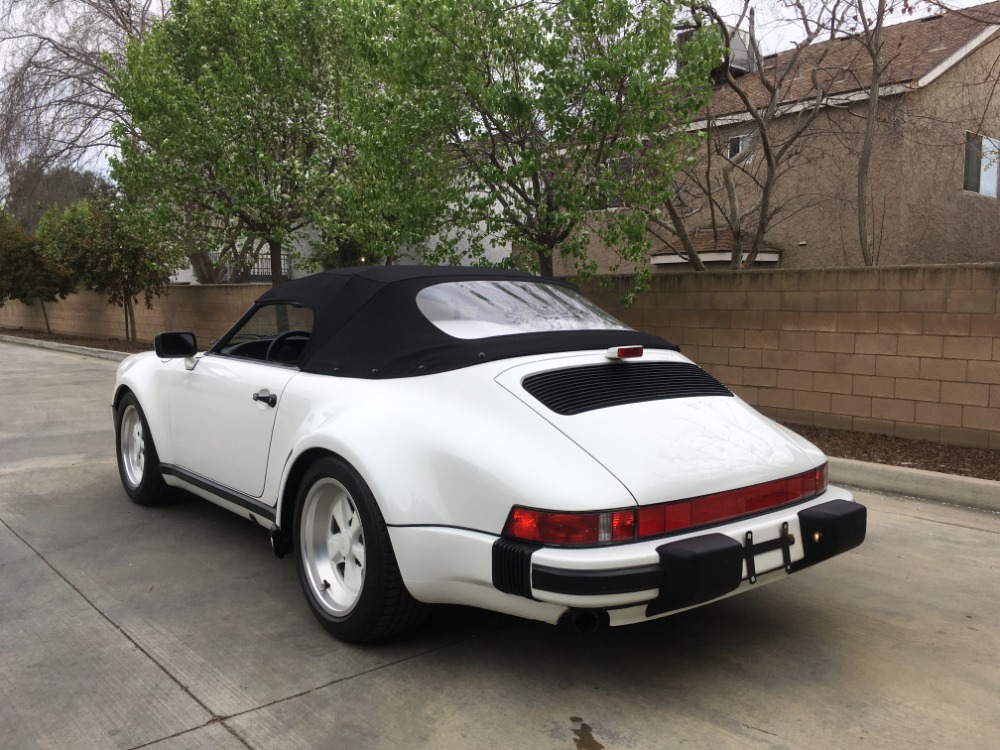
point(615, 526)
point(725, 506)
point(571, 529)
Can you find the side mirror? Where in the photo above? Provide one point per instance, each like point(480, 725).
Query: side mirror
point(175, 344)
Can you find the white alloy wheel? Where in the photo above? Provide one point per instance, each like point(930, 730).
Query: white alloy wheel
point(138, 462)
point(345, 561)
point(132, 446)
point(332, 546)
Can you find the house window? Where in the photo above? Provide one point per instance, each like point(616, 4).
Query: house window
point(739, 142)
point(620, 171)
point(982, 164)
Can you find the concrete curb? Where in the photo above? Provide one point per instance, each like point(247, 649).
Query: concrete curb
point(70, 348)
point(930, 485)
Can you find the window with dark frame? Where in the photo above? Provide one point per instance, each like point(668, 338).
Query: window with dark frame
point(253, 340)
point(739, 142)
point(982, 165)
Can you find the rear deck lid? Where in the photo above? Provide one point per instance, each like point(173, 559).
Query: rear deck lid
point(663, 426)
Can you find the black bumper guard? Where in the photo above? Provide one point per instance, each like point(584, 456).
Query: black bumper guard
point(691, 571)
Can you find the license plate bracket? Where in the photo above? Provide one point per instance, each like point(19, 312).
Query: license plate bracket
point(783, 542)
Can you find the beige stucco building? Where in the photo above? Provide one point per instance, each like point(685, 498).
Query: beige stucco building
point(933, 192)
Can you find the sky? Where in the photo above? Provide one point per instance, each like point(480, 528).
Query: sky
point(775, 33)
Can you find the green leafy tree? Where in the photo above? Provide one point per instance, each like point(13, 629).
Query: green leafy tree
point(401, 177)
point(261, 119)
point(559, 112)
point(26, 274)
point(231, 134)
point(104, 253)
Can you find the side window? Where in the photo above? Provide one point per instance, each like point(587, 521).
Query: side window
point(274, 333)
point(981, 168)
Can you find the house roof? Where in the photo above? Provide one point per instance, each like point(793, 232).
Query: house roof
point(705, 241)
point(918, 52)
point(713, 247)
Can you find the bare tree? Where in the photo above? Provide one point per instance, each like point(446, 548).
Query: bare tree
point(32, 190)
point(54, 105)
point(866, 29)
point(734, 189)
point(869, 20)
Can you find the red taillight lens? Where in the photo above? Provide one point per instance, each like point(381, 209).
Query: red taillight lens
point(726, 506)
point(608, 527)
point(624, 352)
point(573, 529)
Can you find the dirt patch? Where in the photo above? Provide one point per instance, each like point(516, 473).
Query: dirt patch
point(981, 463)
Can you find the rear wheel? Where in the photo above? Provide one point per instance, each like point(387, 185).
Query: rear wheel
point(344, 557)
point(138, 464)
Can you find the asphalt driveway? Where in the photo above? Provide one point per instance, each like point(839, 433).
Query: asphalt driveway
point(176, 627)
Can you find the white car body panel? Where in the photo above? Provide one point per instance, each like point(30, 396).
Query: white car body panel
point(675, 448)
point(217, 430)
point(450, 449)
point(446, 483)
point(447, 455)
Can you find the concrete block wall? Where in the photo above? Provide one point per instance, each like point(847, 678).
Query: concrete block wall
point(910, 351)
point(208, 311)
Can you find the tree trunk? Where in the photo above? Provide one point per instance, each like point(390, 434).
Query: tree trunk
point(45, 314)
point(678, 223)
point(864, 168)
point(762, 218)
point(204, 270)
point(274, 250)
point(734, 219)
point(736, 256)
point(873, 45)
point(546, 265)
point(129, 321)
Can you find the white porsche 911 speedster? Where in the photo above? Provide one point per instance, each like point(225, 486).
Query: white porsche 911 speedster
point(420, 435)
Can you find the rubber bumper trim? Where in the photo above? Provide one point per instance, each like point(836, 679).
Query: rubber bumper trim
point(512, 566)
point(697, 570)
point(830, 529)
point(595, 582)
point(690, 571)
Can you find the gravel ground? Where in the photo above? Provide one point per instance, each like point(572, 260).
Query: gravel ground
point(860, 446)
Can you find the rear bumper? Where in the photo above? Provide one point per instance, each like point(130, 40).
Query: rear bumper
point(690, 571)
point(629, 581)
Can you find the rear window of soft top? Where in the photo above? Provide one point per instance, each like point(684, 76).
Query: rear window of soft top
point(482, 309)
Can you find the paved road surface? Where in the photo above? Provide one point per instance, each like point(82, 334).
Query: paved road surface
point(126, 627)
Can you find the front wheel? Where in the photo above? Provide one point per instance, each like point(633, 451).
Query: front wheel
point(344, 557)
point(138, 464)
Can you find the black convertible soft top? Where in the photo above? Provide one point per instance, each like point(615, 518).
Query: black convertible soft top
point(367, 324)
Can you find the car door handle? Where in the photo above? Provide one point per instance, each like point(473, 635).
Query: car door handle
point(268, 398)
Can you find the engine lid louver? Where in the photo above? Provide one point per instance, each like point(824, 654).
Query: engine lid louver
point(575, 390)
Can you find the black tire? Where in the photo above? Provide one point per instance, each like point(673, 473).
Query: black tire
point(355, 599)
point(138, 463)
